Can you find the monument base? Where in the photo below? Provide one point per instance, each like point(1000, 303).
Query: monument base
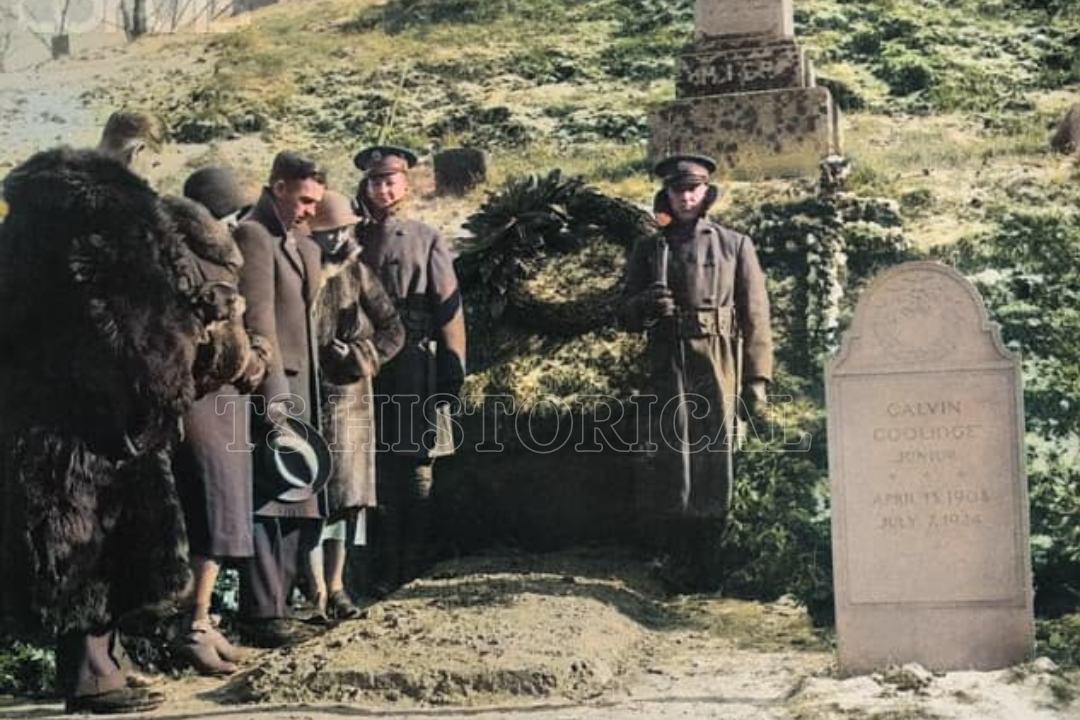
point(938, 638)
point(774, 133)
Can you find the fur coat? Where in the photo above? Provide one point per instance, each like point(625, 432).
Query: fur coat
point(352, 307)
point(117, 309)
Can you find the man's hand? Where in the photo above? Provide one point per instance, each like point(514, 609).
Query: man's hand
point(277, 413)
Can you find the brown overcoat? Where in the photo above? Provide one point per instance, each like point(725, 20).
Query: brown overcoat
point(279, 281)
point(353, 307)
point(722, 309)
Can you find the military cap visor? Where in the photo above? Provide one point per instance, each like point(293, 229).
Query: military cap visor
point(384, 160)
point(685, 170)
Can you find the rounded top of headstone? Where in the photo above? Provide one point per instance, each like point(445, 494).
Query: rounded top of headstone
point(920, 315)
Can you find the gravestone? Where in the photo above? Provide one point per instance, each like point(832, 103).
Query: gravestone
point(1067, 137)
point(459, 170)
point(929, 499)
point(746, 94)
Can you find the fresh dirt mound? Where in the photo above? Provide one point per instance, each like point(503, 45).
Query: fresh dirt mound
point(467, 636)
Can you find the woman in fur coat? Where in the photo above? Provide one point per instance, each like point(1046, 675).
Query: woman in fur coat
point(358, 329)
point(118, 308)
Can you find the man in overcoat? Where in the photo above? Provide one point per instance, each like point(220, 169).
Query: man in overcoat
point(699, 294)
point(279, 281)
point(416, 268)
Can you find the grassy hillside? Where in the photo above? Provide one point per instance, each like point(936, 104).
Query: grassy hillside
point(945, 102)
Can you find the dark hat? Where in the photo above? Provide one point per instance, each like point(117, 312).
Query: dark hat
point(293, 465)
point(685, 169)
point(384, 160)
point(218, 190)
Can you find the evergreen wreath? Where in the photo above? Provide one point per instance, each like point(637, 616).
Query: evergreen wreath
point(527, 227)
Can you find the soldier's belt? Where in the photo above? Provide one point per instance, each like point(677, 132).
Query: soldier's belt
point(706, 322)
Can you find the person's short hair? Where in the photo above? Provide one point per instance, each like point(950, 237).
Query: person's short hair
point(125, 127)
point(294, 166)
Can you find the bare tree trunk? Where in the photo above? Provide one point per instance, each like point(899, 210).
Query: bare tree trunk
point(139, 25)
point(134, 18)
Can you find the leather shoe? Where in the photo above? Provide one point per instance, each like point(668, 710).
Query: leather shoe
point(116, 702)
point(339, 606)
point(276, 632)
point(206, 631)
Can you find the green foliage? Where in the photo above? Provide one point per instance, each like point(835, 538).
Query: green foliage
point(777, 539)
point(1059, 639)
point(648, 17)
point(857, 237)
point(1028, 270)
point(943, 57)
point(27, 669)
point(906, 72)
point(638, 59)
point(400, 15)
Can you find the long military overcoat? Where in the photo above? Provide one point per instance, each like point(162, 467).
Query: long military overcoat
point(722, 310)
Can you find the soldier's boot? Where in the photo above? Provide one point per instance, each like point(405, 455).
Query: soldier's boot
point(416, 525)
point(388, 551)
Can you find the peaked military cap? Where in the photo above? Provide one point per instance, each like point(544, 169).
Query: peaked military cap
point(685, 169)
point(384, 160)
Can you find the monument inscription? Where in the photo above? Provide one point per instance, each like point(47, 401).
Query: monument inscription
point(746, 94)
point(930, 526)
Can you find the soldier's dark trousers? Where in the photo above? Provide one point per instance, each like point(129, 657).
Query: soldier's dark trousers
point(89, 663)
point(266, 579)
point(404, 488)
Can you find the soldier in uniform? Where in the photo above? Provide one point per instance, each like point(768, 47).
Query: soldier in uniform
point(416, 268)
point(699, 294)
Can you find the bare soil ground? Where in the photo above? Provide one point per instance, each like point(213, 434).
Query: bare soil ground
point(587, 634)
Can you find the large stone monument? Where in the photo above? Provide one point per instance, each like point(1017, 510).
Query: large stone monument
point(746, 94)
point(929, 498)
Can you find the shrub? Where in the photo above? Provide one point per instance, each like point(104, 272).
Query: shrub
point(27, 669)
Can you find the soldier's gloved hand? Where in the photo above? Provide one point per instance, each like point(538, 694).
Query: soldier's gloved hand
point(755, 396)
point(451, 374)
point(657, 302)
